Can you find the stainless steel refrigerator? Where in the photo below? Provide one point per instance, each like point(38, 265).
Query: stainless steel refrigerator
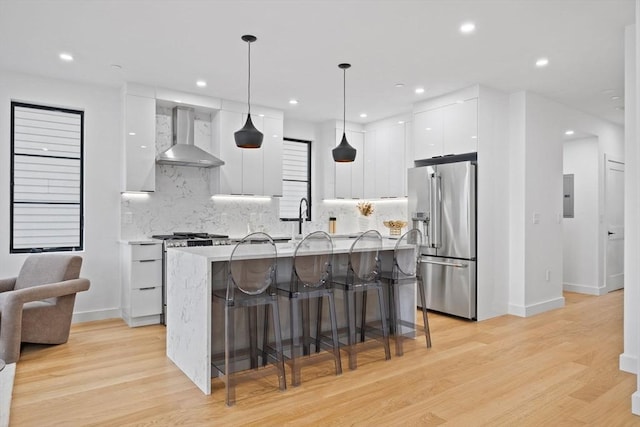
point(442, 203)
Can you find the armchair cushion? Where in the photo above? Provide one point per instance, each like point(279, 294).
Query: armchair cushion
point(48, 268)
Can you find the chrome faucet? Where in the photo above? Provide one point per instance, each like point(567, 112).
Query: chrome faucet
point(306, 212)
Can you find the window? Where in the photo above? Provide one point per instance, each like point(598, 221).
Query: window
point(46, 179)
point(296, 177)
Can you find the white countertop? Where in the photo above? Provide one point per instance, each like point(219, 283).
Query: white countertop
point(284, 250)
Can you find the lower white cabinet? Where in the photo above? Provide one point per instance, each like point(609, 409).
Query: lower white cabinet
point(141, 283)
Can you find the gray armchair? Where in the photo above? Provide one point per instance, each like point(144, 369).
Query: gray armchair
point(37, 306)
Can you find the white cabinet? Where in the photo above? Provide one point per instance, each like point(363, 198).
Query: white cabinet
point(250, 171)
point(142, 283)
point(349, 177)
point(139, 143)
point(385, 165)
point(450, 129)
point(460, 127)
point(428, 134)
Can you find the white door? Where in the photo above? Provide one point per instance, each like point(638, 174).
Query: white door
point(614, 225)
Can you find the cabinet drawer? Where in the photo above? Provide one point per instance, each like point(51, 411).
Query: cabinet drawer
point(146, 251)
point(146, 301)
point(146, 273)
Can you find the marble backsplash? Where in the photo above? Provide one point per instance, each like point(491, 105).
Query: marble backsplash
point(182, 201)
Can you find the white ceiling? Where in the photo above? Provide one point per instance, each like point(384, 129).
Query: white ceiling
point(171, 44)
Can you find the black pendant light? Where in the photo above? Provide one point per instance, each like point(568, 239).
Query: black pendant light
point(249, 136)
point(344, 152)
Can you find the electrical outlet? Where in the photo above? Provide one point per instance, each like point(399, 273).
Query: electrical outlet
point(536, 218)
point(547, 275)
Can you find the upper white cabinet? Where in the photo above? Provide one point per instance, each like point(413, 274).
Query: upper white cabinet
point(250, 171)
point(428, 134)
point(349, 177)
point(460, 127)
point(385, 160)
point(139, 143)
point(448, 129)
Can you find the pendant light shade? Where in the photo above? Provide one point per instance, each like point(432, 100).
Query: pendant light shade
point(344, 152)
point(248, 136)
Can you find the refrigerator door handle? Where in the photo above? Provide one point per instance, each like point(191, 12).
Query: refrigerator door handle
point(435, 205)
point(447, 264)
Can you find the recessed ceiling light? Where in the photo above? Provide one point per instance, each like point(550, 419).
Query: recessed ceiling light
point(363, 115)
point(274, 135)
point(399, 85)
point(467, 28)
point(569, 132)
point(400, 122)
point(542, 62)
point(615, 97)
point(143, 146)
point(45, 149)
point(427, 128)
point(132, 133)
point(261, 115)
point(419, 90)
point(177, 101)
point(66, 57)
point(201, 83)
point(293, 101)
point(474, 137)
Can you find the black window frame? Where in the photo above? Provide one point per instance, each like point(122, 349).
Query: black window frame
point(80, 247)
point(309, 143)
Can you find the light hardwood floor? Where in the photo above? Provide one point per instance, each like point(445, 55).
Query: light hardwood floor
point(556, 369)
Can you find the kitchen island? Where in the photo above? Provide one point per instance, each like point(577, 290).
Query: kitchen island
point(194, 326)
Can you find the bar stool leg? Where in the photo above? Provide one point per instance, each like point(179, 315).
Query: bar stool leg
point(397, 319)
point(363, 320)
point(385, 329)
point(425, 319)
point(279, 350)
point(295, 340)
point(319, 323)
point(351, 327)
point(334, 333)
point(229, 356)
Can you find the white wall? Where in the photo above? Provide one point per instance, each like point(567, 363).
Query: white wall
point(580, 233)
point(101, 188)
point(629, 359)
point(536, 188)
point(493, 203)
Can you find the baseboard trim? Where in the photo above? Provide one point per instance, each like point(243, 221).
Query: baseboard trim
point(584, 289)
point(533, 309)
point(635, 403)
point(89, 316)
point(628, 363)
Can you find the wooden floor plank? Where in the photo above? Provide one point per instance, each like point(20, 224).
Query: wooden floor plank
point(557, 368)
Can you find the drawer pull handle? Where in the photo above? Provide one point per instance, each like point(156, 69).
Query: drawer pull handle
point(148, 244)
point(148, 260)
point(148, 289)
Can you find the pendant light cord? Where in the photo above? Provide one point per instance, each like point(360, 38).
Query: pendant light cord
point(344, 100)
point(249, 81)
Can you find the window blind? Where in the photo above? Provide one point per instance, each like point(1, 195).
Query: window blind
point(47, 169)
point(296, 176)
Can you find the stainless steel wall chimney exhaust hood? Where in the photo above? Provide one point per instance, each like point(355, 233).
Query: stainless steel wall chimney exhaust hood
point(183, 152)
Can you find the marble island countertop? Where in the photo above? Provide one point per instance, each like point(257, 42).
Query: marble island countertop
point(284, 250)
